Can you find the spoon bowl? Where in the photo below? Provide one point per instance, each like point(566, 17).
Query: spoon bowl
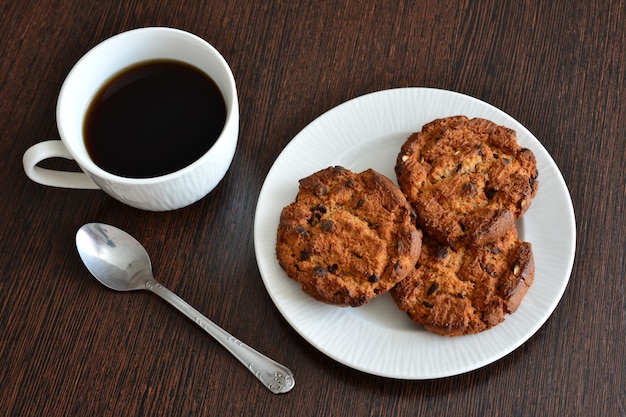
point(113, 257)
point(120, 263)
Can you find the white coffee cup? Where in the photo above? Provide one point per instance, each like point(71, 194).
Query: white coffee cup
point(167, 192)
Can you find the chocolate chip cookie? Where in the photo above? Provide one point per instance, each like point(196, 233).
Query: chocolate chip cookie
point(348, 237)
point(468, 179)
point(468, 289)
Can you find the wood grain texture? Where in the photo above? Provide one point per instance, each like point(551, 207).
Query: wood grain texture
point(70, 347)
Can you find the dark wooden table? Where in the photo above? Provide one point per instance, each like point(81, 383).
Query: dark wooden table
point(69, 347)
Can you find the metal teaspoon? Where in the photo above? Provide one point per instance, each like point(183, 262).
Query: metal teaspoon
point(119, 262)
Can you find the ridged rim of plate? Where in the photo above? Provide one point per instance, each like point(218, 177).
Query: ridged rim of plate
point(367, 132)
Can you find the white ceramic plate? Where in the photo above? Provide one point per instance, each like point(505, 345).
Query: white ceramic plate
point(378, 338)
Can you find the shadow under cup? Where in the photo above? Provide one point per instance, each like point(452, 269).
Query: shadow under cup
point(170, 191)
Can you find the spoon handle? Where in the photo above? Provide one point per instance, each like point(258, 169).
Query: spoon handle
point(276, 377)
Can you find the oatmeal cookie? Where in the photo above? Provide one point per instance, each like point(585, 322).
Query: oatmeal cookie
point(468, 289)
point(348, 237)
point(468, 179)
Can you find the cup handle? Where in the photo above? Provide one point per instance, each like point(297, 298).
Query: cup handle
point(53, 178)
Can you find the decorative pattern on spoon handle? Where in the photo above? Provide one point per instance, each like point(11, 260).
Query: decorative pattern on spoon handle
point(273, 375)
point(276, 377)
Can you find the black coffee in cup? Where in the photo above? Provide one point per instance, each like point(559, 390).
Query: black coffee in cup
point(153, 118)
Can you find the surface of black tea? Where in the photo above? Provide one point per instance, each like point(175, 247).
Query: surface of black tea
point(153, 118)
